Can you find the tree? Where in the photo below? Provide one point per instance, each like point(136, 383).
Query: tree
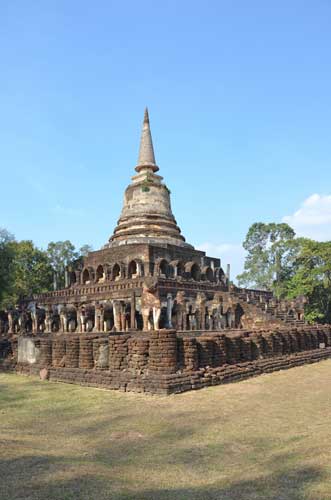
point(5, 236)
point(290, 267)
point(6, 259)
point(311, 276)
point(61, 254)
point(26, 270)
point(85, 250)
point(270, 249)
point(29, 272)
point(32, 269)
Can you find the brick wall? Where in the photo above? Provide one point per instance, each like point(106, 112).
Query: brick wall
point(162, 362)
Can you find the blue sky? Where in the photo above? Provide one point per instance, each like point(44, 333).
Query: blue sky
point(239, 95)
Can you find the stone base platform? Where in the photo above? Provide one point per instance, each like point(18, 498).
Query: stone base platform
point(162, 362)
point(177, 383)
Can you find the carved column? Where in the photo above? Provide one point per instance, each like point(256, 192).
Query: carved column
point(66, 278)
point(228, 272)
point(54, 281)
point(79, 322)
point(138, 268)
point(123, 317)
point(46, 320)
point(77, 273)
point(169, 310)
point(81, 317)
point(156, 317)
point(96, 319)
point(64, 319)
point(34, 321)
point(10, 322)
point(185, 317)
point(101, 319)
point(117, 315)
point(202, 316)
point(133, 312)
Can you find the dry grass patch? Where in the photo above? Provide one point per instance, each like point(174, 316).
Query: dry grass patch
point(264, 438)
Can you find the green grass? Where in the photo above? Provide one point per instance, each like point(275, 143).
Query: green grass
point(264, 438)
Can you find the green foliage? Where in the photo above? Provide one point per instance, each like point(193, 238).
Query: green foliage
point(290, 267)
point(146, 183)
point(269, 249)
point(32, 271)
point(26, 269)
point(5, 236)
point(6, 259)
point(311, 276)
point(61, 254)
point(85, 250)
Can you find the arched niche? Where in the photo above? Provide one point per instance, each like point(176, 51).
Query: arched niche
point(116, 272)
point(135, 268)
point(100, 274)
point(195, 271)
point(72, 278)
point(86, 276)
point(207, 274)
point(164, 268)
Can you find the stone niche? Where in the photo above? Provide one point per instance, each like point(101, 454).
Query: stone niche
point(28, 350)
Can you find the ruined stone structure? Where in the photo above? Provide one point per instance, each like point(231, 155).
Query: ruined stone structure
point(164, 361)
point(148, 277)
point(123, 304)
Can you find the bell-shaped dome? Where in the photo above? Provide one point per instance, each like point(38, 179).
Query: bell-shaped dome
point(146, 216)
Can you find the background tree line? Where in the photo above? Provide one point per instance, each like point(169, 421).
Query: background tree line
point(276, 260)
point(26, 269)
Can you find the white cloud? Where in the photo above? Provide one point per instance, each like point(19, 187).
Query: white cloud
point(229, 253)
point(313, 218)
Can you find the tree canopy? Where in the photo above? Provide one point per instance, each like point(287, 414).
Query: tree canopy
point(269, 248)
point(311, 276)
point(31, 271)
point(6, 259)
point(276, 260)
point(61, 254)
point(26, 269)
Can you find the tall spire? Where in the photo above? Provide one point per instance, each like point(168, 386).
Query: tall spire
point(146, 216)
point(146, 159)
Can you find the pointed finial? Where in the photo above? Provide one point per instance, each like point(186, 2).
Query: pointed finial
point(146, 159)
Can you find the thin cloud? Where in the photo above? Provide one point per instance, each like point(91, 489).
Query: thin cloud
point(313, 218)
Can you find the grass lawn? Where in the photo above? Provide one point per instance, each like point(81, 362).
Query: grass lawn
point(264, 438)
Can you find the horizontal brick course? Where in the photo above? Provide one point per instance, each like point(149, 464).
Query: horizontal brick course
point(160, 362)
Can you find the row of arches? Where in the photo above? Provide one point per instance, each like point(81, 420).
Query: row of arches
point(106, 272)
point(136, 268)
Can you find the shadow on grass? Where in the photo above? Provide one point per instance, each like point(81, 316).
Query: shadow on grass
point(39, 477)
point(99, 466)
point(8, 398)
point(289, 485)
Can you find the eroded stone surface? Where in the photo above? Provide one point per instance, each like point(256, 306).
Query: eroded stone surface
point(145, 278)
point(165, 362)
